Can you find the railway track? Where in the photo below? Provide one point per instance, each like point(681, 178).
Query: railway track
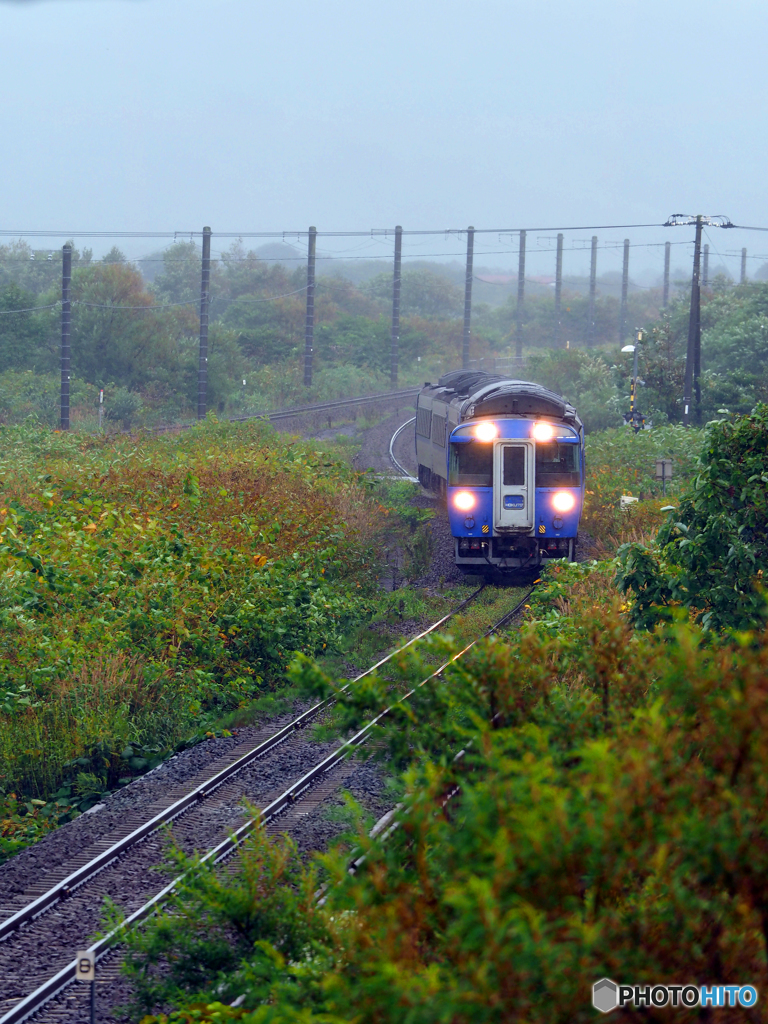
point(279, 415)
point(393, 459)
point(66, 902)
point(55, 1002)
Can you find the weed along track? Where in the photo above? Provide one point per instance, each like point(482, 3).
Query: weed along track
point(46, 922)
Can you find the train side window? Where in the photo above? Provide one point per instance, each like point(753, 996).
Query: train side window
point(471, 464)
point(438, 430)
point(514, 466)
point(557, 465)
point(424, 422)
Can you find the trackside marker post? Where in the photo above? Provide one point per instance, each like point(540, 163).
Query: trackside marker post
point(85, 971)
point(664, 473)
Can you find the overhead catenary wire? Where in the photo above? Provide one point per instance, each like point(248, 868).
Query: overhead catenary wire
point(111, 305)
point(29, 309)
point(381, 258)
point(272, 298)
point(371, 233)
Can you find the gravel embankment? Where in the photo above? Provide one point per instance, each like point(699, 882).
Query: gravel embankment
point(40, 865)
point(312, 823)
point(39, 949)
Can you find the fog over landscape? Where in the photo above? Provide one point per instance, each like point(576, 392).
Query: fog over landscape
point(162, 115)
point(383, 511)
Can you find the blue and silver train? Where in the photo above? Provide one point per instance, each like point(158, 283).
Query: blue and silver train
point(509, 457)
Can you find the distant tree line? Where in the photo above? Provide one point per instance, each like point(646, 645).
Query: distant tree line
point(136, 335)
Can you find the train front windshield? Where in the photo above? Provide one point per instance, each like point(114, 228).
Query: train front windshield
point(557, 465)
point(471, 464)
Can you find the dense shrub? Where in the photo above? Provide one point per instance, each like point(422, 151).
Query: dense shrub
point(611, 821)
point(147, 585)
point(711, 553)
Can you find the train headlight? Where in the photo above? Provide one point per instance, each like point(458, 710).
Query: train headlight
point(486, 431)
point(563, 501)
point(464, 500)
point(543, 432)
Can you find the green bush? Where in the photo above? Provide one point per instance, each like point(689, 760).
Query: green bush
point(611, 821)
point(196, 565)
point(256, 922)
point(25, 394)
point(711, 554)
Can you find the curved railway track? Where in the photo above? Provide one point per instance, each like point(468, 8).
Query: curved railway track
point(37, 967)
point(392, 458)
point(31, 936)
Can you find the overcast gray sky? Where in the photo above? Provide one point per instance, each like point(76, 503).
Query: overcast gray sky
point(349, 114)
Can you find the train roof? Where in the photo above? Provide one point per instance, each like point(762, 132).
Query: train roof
point(488, 394)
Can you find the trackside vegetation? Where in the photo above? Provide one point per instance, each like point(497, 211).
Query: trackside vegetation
point(608, 816)
point(712, 551)
point(149, 585)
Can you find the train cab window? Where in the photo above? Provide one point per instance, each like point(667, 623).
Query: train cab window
point(514, 466)
point(557, 465)
point(471, 464)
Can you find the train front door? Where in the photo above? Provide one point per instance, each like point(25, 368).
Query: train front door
point(514, 485)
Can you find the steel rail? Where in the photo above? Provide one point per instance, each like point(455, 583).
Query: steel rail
point(83, 874)
point(392, 457)
point(386, 825)
point(284, 414)
point(50, 989)
point(276, 415)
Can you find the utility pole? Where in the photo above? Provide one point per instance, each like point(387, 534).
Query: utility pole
point(693, 353)
point(396, 281)
point(667, 248)
point(743, 266)
point(309, 325)
point(558, 290)
point(705, 269)
point(624, 290)
point(205, 289)
point(520, 300)
point(468, 297)
point(592, 292)
point(66, 319)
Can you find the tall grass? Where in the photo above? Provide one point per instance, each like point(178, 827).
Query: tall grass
point(148, 585)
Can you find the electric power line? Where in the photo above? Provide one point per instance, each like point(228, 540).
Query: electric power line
point(30, 309)
point(372, 233)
